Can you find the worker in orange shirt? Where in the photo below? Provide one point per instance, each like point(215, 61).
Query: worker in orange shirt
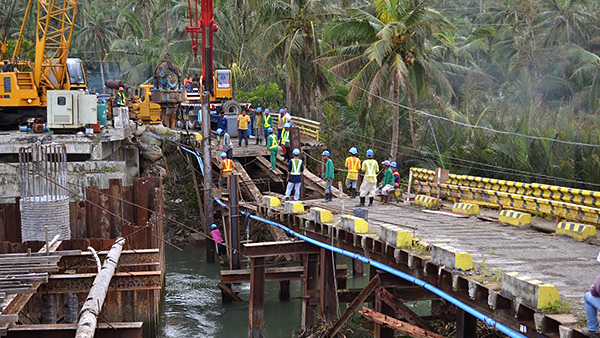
point(227, 167)
point(353, 166)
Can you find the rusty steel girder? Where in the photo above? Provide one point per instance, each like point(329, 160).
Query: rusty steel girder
point(121, 281)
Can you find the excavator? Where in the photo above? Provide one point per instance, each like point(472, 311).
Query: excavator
point(26, 87)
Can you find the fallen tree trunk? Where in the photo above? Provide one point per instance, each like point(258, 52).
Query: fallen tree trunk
point(88, 317)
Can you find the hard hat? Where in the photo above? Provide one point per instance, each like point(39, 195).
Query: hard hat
point(353, 151)
point(219, 131)
point(287, 125)
point(386, 163)
point(370, 152)
point(259, 109)
point(267, 111)
point(270, 130)
point(223, 155)
point(296, 151)
point(121, 89)
point(213, 226)
point(281, 111)
point(393, 164)
point(326, 153)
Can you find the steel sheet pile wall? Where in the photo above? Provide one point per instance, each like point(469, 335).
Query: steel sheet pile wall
point(44, 199)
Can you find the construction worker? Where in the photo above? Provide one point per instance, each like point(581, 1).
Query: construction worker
point(387, 185)
point(285, 141)
point(272, 146)
point(222, 121)
point(369, 168)
point(218, 239)
point(242, 125)
point(294, 176)
point(281, 124)
point(353, 166)
point(225, 141)
point(121, 100)
point(397, 180)
point(258, 125)
point(227, 167)
point(328, 175)
point(267, 122)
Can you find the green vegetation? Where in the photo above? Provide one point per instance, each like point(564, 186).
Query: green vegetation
point(528, 67)
point(560, 306)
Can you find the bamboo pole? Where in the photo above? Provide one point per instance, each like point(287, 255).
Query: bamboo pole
point(88, 317)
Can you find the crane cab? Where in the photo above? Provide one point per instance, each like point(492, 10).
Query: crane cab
point(77, 79)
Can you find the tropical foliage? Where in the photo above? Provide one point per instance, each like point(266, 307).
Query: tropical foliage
point(429, 83)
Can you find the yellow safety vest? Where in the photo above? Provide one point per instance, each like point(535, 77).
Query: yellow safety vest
point(354, 164)
point(296, 166)
point(274, 143)
point(121, 99)
point(285, 136)
point(370, 172)
point(266, 123)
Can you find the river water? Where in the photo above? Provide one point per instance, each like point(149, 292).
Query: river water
point(193, 307)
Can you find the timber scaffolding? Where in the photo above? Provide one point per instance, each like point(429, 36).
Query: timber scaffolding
point(475, 240)
point(48, 288)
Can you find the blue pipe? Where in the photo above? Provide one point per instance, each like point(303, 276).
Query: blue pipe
point(197, 157)
point(487, 320)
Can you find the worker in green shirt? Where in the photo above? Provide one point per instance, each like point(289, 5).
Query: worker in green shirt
point(272, 146)
point(387, 185)
point(328, 175)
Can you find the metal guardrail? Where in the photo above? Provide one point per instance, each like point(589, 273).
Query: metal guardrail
point(307, 127)
point(568, 203)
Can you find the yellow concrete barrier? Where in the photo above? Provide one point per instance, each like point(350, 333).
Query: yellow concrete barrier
point(294, 207)
point(355, 224)
point(579, 231)
point(515, 218)
point(271, 201)
point(451, 257)
point(465, 208)
point(321, 215)
point(531, 291)
point(427, 201)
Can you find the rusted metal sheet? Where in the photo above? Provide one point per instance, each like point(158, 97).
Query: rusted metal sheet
point(104, 330)
point(129, 258)
point(122, 281)
point(274, 274)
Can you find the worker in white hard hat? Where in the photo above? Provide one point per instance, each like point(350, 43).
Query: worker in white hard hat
point(294, 175)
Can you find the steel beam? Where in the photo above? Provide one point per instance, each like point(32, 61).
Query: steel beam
point(274, 274)
point(128, 258)
point(328, 296)
point(310, 293)
point(121, 281)
point(266, 249)
point(257, 298)
point(104, 330)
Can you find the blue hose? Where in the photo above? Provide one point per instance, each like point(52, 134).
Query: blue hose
point(487, 320)
point(197, 157)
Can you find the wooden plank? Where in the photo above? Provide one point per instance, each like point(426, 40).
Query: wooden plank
point(8, 319)
point(247, 183)
point(397, 325)
point(226, 290)
point(321, 183)
point(360, 298)
point(276, 175)
point(400, 309)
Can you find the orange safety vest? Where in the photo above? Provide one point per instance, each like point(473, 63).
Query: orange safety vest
point(354, 165)
point(227, 165)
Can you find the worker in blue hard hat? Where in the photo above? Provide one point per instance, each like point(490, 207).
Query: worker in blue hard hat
point(285, 141)
point(284, 117)
point(294, 176)
point(387, 185)
point(369, 168)
point(222, 121)
point(224, 141)
point(227, 167)
point(353, 166)
point(272, 146)
point(328, 175)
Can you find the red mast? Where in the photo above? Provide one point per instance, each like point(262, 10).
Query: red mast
point(205, 26)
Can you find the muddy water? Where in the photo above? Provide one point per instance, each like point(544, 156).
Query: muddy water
point(193, 307)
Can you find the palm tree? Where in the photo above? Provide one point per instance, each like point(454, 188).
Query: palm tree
point(385, 47)
point(293, 27)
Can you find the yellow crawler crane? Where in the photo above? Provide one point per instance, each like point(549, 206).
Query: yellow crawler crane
point(24, 84)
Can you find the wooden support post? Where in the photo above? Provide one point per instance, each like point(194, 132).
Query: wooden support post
point(360, 298)
point(95, 299)
point(400, 309)
point(257, 298)
point(284, 290)
point(466, 324)
point(310, 287)
point(234, 217)
point(397, 325)
point(357, 267)
point(380, 330)
point(227, 294)
point(328, 294)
